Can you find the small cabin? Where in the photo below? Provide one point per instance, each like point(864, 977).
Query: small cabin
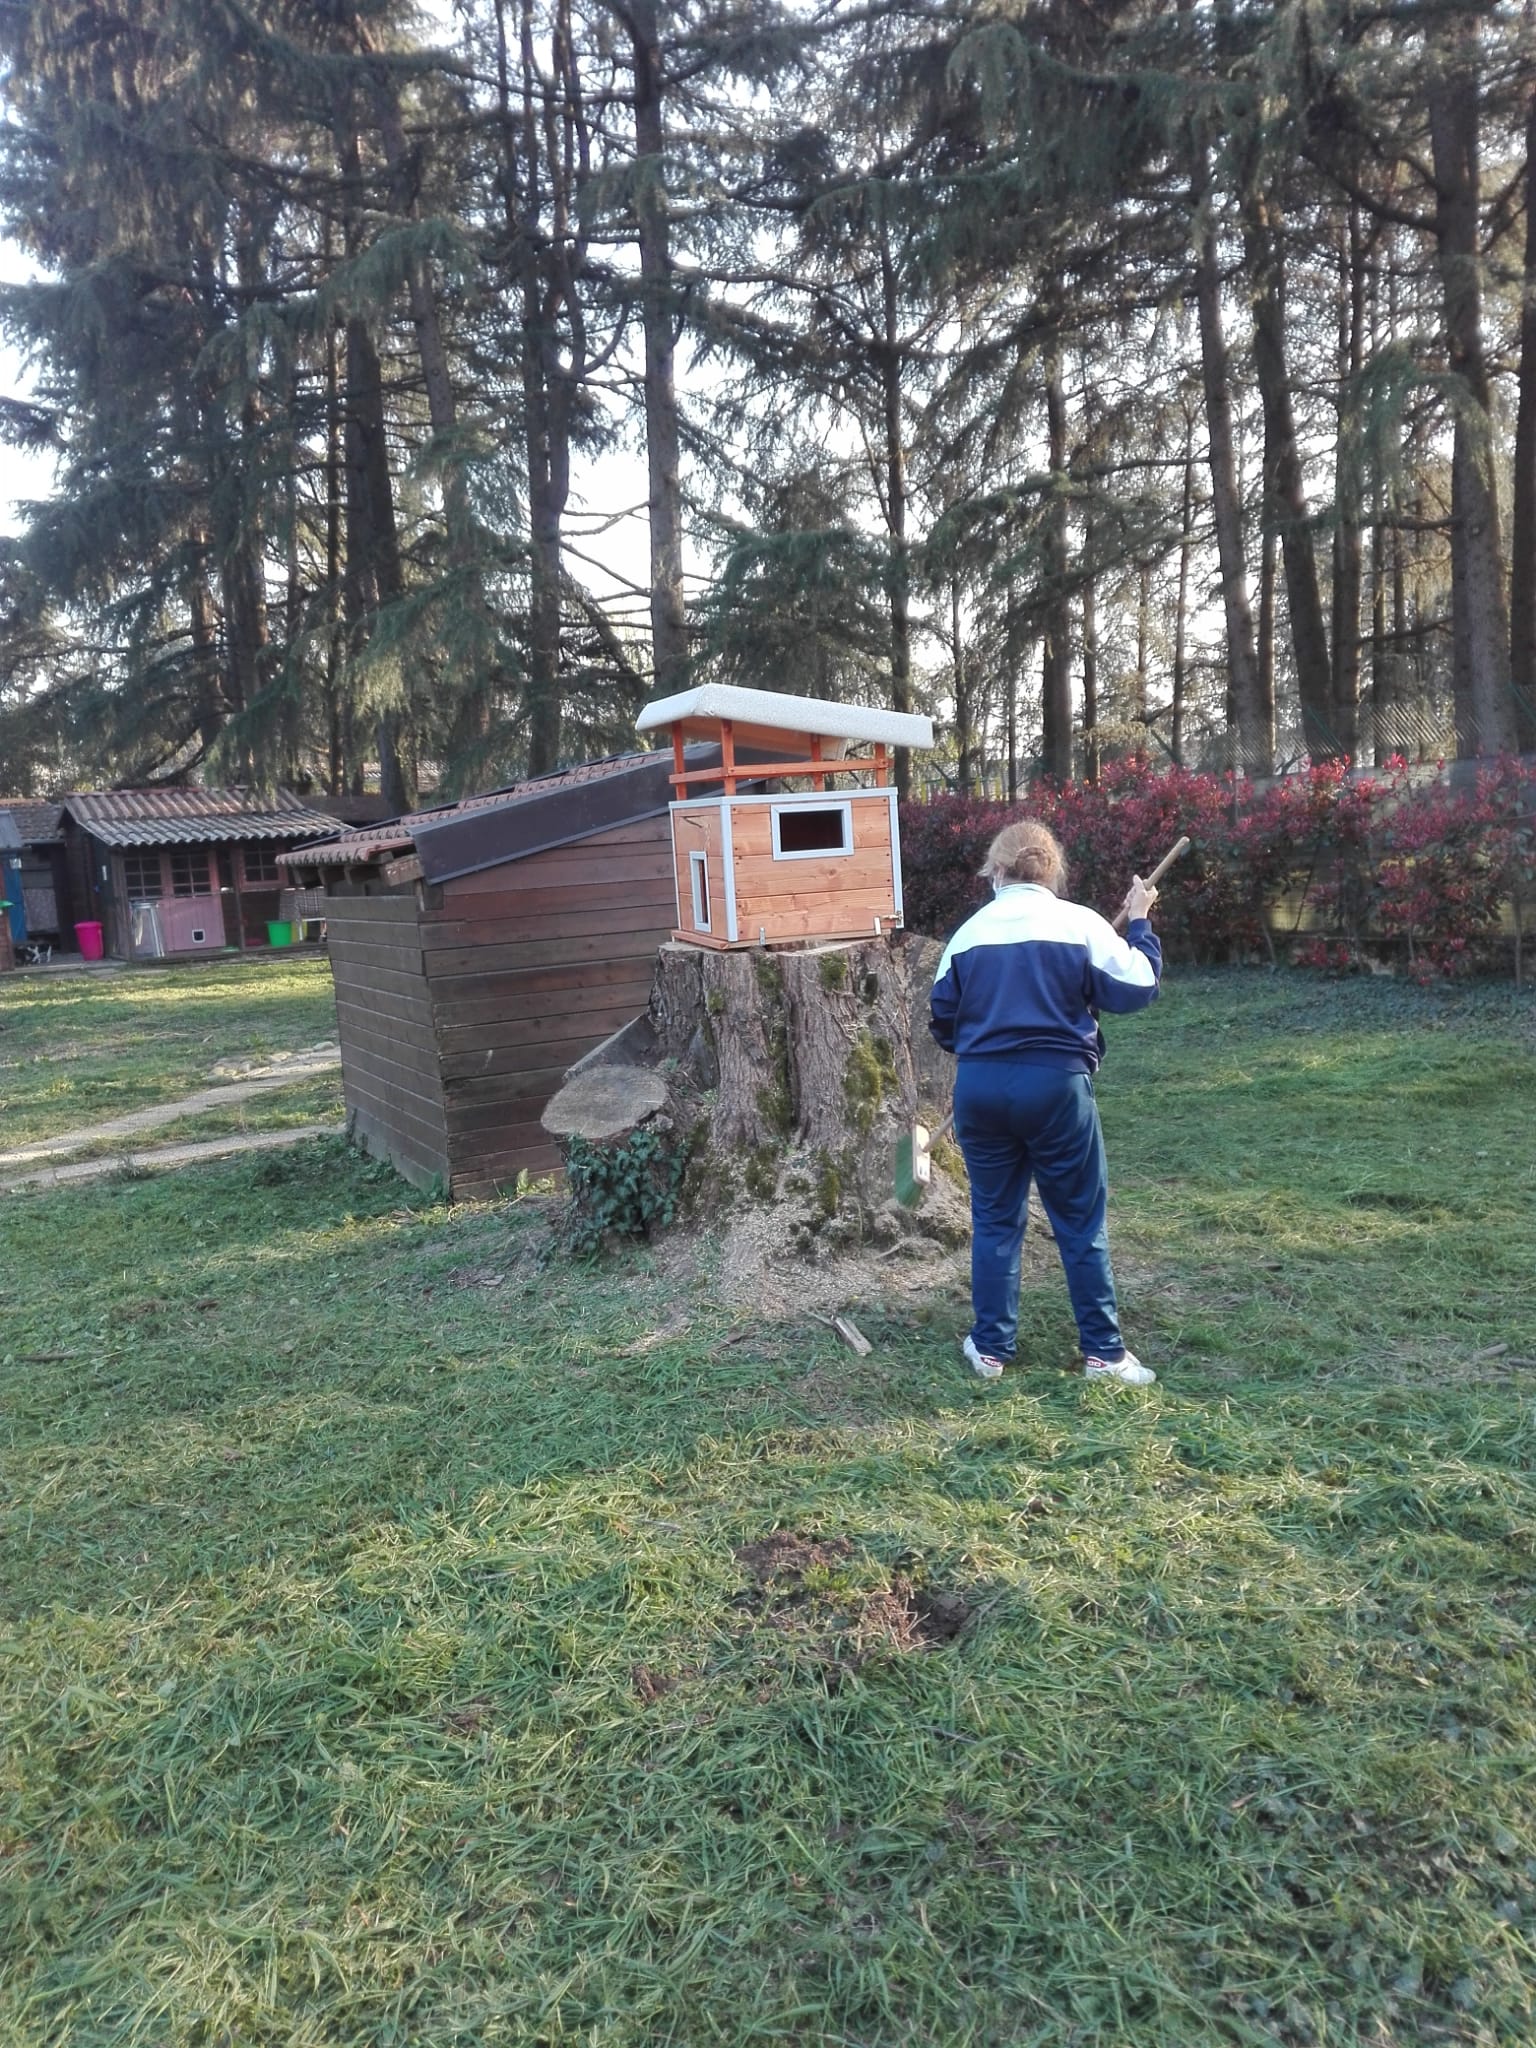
point(33, 886)
point(480, 949)
point(819, 860)
point(169, 871)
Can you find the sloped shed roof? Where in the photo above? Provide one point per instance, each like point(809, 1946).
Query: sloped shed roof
point(509, 824)
point(186, 817)
point(35, 823)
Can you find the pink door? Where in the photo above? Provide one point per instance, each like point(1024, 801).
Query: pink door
point(191, 924)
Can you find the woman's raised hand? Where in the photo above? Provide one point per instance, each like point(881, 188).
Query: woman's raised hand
point(1139, 899)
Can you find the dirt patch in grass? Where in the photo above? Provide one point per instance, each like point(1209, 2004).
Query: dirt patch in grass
point(784, 1558)
point(818, 1589)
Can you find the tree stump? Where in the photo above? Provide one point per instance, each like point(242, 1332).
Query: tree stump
point(780, 1077)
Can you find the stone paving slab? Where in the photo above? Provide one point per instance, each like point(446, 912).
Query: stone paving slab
point(316, 1061)
point(162, 1157)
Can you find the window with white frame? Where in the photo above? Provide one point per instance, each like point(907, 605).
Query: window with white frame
point(806, 831)
point(698, 876)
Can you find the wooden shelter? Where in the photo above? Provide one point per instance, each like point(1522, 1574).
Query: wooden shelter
point(34, 885)
point(480, 949)
point(169, 871)
point(821, 861)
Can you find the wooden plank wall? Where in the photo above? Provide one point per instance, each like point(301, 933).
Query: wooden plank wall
point(529, 965)
point(700, 831)
point(389, 1057)
point(836, 897)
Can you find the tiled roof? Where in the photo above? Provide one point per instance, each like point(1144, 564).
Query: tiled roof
point(184, 817)
point(353, 810)
point(36, 823)
point(398, 836)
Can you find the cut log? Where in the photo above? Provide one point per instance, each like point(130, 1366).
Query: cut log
point(600, 1104)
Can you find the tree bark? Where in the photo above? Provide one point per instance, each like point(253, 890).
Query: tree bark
point(899, 571)
point(374, 575)
point(1285, 493)
point(1253, 753)
point(965, 729)
point(669, 633)
point(1479, 616)
point(1056, 654)
point(1090, 664)
point(1522, 582)
point(1181, 608)
point(1347, 559)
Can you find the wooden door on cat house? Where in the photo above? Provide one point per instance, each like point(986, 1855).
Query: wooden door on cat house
point(815, 856)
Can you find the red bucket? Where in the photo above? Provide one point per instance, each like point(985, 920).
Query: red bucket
point(89, 936)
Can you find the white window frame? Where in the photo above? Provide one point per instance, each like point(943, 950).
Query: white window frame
point(698, 878)
point(842, 852)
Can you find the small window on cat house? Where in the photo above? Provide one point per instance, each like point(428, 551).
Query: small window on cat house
point(698, 874)
point(803, 830)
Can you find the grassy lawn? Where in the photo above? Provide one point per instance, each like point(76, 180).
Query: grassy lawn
point(393, 1649)
point(76, 1049)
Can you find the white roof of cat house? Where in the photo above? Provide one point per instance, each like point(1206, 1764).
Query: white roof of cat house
point(761, 715)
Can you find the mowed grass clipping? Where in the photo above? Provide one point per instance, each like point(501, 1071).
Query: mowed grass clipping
point(408, 1638)
point(76, 1049)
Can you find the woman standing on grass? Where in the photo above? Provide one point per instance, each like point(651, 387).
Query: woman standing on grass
point(1016, 999)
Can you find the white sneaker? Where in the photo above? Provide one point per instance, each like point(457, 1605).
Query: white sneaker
point(983, 1364)
point(1128, 1369)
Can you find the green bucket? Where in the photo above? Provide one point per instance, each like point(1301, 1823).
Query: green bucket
point(280, 933)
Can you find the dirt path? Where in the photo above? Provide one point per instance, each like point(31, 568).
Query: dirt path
point(300, 1068)
point(162, 1157)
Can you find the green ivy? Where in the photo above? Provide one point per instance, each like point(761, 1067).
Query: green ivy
point(627, 1188)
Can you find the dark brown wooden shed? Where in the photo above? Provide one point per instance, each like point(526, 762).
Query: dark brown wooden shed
point(481, 948)
point(168, 871)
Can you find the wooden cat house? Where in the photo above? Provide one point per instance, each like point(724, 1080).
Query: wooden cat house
point(818, 860)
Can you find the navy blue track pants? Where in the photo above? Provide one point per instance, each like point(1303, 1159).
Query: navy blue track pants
point(1015, 1121)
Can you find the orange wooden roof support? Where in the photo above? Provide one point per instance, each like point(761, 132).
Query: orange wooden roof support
point(679, 759)
point(766, 771)
point(818, 781)
point(728, 755)
point(882, 765)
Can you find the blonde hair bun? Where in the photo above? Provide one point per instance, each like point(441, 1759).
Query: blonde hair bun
point(1027, 852)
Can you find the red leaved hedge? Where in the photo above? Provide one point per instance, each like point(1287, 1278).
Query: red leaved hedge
point(1321, 863)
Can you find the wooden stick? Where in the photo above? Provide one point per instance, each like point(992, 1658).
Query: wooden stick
point(1179, 846)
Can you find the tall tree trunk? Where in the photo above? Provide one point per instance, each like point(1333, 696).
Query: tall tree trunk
point(202, 613)
point(1522, 583)
point(1181, 609)
point(669, 632)
point(545, 410)
point(899, 572)
point(1269, 550)
point(374, 574)
point(339, 765)
point(1347, 566)
point(1143, 638)
point(965, 726)
point(1479, 617)
point(1284, 488)
point(1255, 754)
point(1090, 662)
point(1056, 655)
